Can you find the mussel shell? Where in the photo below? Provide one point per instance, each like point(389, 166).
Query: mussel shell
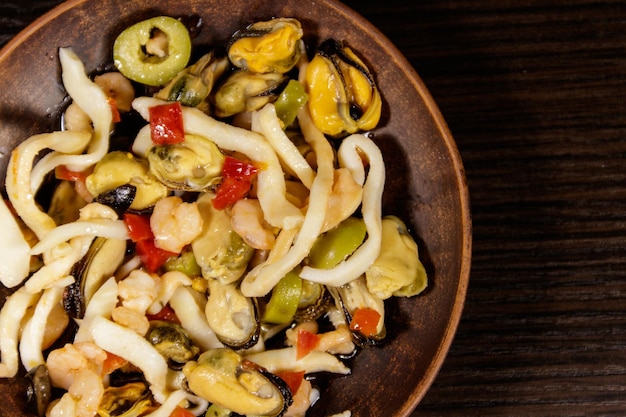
point(119, 198)
point(39, 390)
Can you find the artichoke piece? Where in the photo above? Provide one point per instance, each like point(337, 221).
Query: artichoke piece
point(354, 296)
point(98, 265)
point(343, 97)
point(221, 376)
point(398, 270)
point(245, 91)
point(233, 317)
point(130, 400)
point(269, 46)
point(191, 165)
point(118, 168)
point(219, 251)
point(192, 86)
point(173, 342)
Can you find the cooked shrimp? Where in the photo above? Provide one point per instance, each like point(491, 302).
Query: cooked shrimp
point(132, 319)
point(138, 290)
point(76, 119)
point(87, 389)
point(247, 221)
point(175, 223)
point(66, 363)
point(301, 400)
point(338, 341)
point(117, 87)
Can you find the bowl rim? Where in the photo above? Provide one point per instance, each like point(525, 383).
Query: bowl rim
point(445, 135)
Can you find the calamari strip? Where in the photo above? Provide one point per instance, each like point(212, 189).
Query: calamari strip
point(32, 336)
point(285, 359)
point(101, 304)
point(264, 277)
point(11, 317)
point(266, 122)
point(127, 344)
point(189, 309)
point(349, 155)
point(15, 253)
point(18, 185)
point(93, 101)
point(168, 284)
point(113, 229)
point(278, 211)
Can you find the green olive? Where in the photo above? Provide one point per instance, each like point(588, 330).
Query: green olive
point(337, 244)
point(152, 51)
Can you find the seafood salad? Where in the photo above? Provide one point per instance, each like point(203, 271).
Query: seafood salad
point(223, 257)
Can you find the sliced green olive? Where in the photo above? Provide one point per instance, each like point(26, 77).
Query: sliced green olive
point(284, 300)
point(337, 244)
point(153, 51)
point(290, 101)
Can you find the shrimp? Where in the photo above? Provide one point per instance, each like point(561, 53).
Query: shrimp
point(301, 400)
point(117, 87)
point(138, 290)
point(82, 398)
point(76, 119)
point(247, 221)
point(175, 223)
point(66, 363)
point(132, 319)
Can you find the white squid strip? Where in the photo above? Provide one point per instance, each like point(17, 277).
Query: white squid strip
point(11, 317)
point(54, 273)
point(266, 122)
point(101, 304)
point(127, 344)
point(278, 211)
point(143, 142)
point(264, 277)
point(285, 359)
point(190, 311)
point(34, 330)
point(18, 183)
point(356, 265)
point(15, 253)
point(174, 399)
point(169, 283)
point(113, 229)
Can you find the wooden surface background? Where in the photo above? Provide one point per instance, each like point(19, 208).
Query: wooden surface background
point(533, 92)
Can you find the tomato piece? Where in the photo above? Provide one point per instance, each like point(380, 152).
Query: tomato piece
point(112, 362)
point(138, 227)
point(167, 313)
point(305, 343)
point(151, 256)
point(365, 321)
point(115, 112)
point(292, 378)
point(62, 172)
point(166, 123)
point(182, 412)
point(229, 192)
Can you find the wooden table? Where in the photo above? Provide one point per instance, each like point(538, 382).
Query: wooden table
point(533, 92)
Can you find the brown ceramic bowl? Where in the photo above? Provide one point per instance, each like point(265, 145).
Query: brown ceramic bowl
point(425, 179)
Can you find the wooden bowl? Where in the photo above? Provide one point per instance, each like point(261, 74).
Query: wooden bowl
point(425, 179)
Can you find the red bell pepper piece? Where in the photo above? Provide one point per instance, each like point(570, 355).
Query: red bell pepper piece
point(166, 123)
point(167, 313)
point(237, 181)
point(138, 227)
point(305, 343)
point(115, 112)
point(181, 412)
point(151, 256)
point(365, 321)
point(292, 378)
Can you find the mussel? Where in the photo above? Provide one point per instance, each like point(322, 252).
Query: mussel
point(173, 342)
point(343, 96)
point(65, 203)
point(246, 91)
point(193, 85)
point(99, 264)
point(118, 168)
point(38, 390)
point(268, 46)
point(223, 377)
point(129, 400)
point(191, 165)
point(233, 317)
point(398, 270)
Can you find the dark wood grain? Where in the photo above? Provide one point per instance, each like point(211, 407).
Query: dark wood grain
point(533, 92)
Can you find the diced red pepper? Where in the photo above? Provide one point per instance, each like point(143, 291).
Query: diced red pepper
point(112, 362)
point(167, 313)
point(365, 321)
point(238, 176)
point(151, 256)
point(292, 378)
point(62, 172)
point(181, 412)
point(138, 226)
point(166, 123)
point(305, 343)
point(115, 112)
